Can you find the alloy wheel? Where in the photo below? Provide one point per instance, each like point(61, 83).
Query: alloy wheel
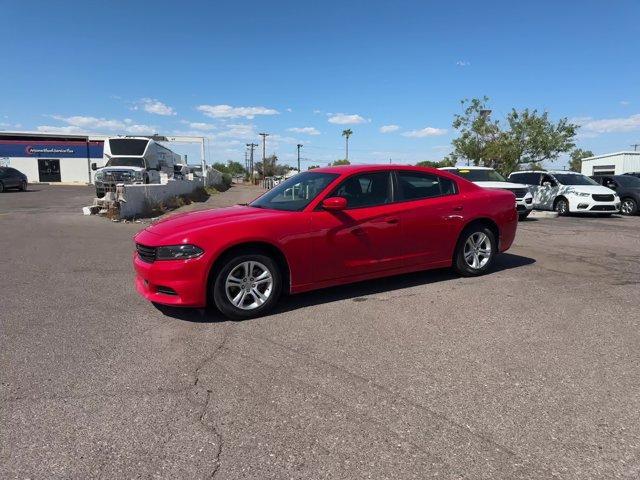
point(477, 250)
point(249, 285)
point(627, 207)
point(562, 207)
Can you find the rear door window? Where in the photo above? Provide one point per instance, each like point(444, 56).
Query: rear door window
point(418, 185)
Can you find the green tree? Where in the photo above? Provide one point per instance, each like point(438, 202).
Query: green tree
point(529, 137)
point(445, 162)
point(343, 161)
point(346, 134)
point(311, 167)
point(577, 155)
point(221, 167)
point(235, 168)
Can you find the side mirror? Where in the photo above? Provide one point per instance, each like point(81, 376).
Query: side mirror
point(334, 203)
point(94, 166)
point(612, 186)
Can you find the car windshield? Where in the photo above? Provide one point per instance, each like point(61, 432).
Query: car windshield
point(295, 193)
point(125, 162)
point(574, 179)
point(482, 175)
point(628, 181)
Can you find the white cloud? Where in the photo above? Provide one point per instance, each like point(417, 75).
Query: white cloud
point(345, 119)
point(82, 124)
point(389, 128)
point(610, 125)
point(151, 105)
point(624, 103)
point(201, 126)
point(238, 130)
point(227, 111)
point(305, 130)
point(317, 112)
point(289, 110)
point(463, 63)
point(425, 132)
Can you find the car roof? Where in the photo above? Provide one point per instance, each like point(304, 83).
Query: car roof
point(466, 168)
point(349, 169)
point(547, 171)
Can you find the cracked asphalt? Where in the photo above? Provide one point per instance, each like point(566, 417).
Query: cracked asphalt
point(529, 372)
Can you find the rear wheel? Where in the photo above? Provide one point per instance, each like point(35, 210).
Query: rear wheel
point(629, 206)
point(23, 186)
point(247, 286)
point(562, 207)
point(475, 252)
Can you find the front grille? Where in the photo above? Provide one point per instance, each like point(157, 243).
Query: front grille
point(146, 254)
point(602, 198)
point(603, 208)
point(119, 176)
point(518, 192)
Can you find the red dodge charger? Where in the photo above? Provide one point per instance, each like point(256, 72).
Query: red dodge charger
point(320, 228)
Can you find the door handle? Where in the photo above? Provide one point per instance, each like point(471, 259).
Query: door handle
point(459, 208)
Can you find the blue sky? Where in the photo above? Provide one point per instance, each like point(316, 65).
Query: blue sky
point(304, 71)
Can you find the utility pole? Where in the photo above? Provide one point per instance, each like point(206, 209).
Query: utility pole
point(635, 146)
point(252, 146)
point(299, 145)
point(264, 151)
point(246, 160)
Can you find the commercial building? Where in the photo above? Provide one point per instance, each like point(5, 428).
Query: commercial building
point(612, 164)
point(46, 157)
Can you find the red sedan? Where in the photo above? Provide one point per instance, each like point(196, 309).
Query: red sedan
point(323, 227)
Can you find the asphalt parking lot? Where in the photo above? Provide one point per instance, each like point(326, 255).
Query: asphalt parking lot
point(529, 372)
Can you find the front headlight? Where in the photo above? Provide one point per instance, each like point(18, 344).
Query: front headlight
point(137, 175)
point(99, 175)
point(178, 252)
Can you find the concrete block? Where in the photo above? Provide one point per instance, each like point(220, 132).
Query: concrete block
point(136, 199)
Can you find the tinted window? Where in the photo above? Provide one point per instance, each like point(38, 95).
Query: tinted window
point(416, 185)
point(574, 179)
point(529, 178)
point(295, 193)
point(479, 175)
point(127, 146)
point(628, 181)
point(548, 178)
point(365, 190)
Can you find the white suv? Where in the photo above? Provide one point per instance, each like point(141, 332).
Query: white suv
point(568, 192)
point(488, 178)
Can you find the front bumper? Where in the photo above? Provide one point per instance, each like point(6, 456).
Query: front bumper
point(588, 205)
point(180, 283)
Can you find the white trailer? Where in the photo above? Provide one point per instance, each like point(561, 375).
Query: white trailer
point(611, 164)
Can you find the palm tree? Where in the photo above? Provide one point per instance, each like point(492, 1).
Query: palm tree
point(346, 134)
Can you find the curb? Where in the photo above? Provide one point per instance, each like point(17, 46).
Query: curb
point(543, 214)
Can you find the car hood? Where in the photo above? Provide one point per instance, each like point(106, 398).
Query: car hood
point(597, 189)
point(182, 223)
point(501, 185)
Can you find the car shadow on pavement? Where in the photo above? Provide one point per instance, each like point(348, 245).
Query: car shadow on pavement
point(356, 291)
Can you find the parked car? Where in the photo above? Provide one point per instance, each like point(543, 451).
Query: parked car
point(488, 178)
point(633, 174)
point(323, 227)
point(12, 178)
point(628, 189)
point(568, 192)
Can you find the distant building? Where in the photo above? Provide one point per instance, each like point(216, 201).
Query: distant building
point(611, 164)
point(49, 157)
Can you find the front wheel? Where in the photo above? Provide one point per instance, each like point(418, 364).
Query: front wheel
point(247, 286)
point(523, 215)
point(629, 207)
point(562, 207)
point(475, 252)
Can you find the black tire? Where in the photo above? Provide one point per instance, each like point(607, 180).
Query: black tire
point(523, 215)
point(562, 207)
point(1, 187)
point(460, 264)
point(628, 206)
point(23, 186)
point(146, 179)
point(233, 262)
